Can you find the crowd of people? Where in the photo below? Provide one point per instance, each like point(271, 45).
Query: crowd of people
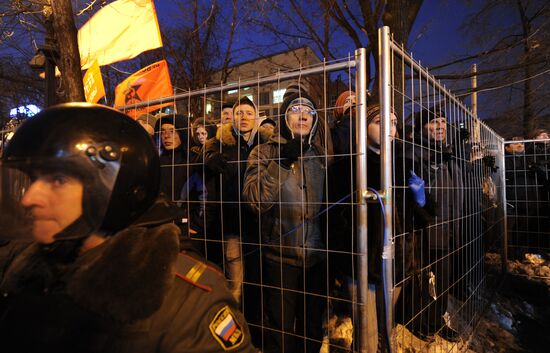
point(528, 192)
point(270, 202)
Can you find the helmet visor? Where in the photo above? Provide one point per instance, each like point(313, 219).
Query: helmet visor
point(15, 220)
point(55, 198)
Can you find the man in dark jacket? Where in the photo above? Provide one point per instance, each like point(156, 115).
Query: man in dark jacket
point(538, 190)
point(516, 193)
point(444, 183)
point(171, 135)
point(102, 272)
point(225, 157)
point(285, 184)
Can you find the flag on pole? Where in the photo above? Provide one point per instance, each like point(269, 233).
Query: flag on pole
point(93, 84)
point(151, 82)
point(119, 31)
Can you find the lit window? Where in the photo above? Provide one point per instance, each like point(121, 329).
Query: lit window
point(24, 110)
point(278, 95)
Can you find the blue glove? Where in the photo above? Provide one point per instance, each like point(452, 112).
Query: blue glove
point(416, 184)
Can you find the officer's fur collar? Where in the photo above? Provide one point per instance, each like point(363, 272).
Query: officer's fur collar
point(127, 277)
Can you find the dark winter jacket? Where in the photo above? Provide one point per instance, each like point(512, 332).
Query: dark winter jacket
point(194, 193)
point(173, 172)
point(444, 183)
point(409, 217)
point(517, 176)
point(133, 293)
point(173, 163)
point(224, 189)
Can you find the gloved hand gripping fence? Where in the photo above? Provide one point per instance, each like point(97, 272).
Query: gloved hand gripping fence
point(448, 152)
point(217, 162)
point(416, 185)
point(464, 134)
point(291, 151)
point(491, 163)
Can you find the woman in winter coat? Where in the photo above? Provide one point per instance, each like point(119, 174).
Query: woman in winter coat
point(284, 183)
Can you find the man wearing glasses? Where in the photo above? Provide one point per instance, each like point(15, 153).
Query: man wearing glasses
point(284, 183)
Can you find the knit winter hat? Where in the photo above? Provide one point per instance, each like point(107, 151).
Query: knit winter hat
point(180, 122)
point(373, 110)
point(228, 105)
point(268, 121)
point(424, 116)
point(345, 101)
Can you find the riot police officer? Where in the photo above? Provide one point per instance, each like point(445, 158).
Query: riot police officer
point(100, 270)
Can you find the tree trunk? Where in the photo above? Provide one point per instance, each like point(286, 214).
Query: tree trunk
point(69, 55)
point(400, 16)
point(529, 121)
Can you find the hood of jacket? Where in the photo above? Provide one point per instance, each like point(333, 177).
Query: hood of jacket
point(228, 135)
point(318, 138)
point(236, 132)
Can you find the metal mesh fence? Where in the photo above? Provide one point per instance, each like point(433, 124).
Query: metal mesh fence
point(274, 213)
point(317, 228)
point(527, 195)
point(436, 252)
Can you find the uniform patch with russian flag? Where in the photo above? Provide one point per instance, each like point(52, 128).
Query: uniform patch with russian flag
point(226, 330)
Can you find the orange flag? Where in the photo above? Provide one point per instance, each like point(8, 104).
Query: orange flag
point(93, 84)
point(149, 83)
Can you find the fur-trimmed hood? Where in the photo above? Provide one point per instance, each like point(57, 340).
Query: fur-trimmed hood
point(227, 135)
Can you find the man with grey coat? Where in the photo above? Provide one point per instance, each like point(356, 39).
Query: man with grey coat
point(284, 182)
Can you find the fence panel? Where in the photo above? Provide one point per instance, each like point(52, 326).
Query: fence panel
point(437, 252)
point(278, 220)
point(527, 196)
point(324, 244)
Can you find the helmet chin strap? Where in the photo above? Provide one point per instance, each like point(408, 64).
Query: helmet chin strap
point(79, 229)
point(95, 202)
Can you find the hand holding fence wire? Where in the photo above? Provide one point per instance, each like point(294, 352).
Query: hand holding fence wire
point(217, 163)
point(291, 151)
point(416, 185)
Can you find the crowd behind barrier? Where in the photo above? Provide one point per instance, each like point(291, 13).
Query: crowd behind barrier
point(276, 211)
point(528, 194)
point(272, 199)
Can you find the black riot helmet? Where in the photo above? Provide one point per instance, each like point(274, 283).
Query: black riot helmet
point(110, 153)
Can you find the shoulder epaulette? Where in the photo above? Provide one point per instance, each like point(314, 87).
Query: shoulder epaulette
point(196, 272)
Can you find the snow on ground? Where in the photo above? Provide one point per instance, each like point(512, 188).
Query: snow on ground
point(518, 317)
point(516, 320)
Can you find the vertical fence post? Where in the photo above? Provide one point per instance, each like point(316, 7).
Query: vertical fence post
point(474, 89)
point(384, 60)
point(361, 61)
point(502, 163)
